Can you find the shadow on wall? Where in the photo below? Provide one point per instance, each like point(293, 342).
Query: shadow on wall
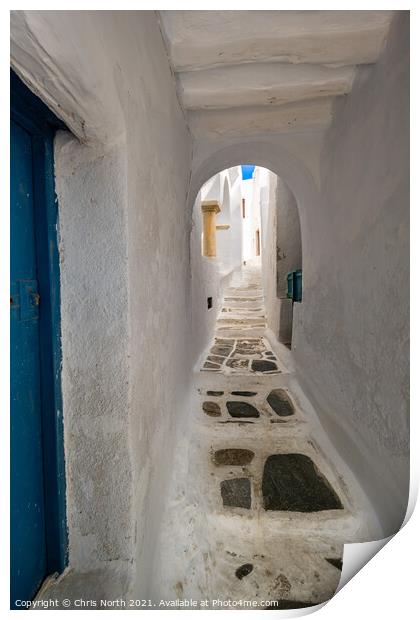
point(288, 256)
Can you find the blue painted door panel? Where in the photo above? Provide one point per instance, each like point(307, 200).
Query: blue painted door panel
point(28, 558)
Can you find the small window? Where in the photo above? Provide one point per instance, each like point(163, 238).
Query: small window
point(243, 207)
point(209, 303)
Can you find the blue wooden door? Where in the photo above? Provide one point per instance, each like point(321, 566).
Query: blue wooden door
point(38, 529)
point(27, 489)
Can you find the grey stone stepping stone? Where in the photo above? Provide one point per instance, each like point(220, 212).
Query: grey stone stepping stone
point(212, 409)
point(217, 359)
point(292, 482)
point(280, 403)
point(223, 351)
point(236, 492)
point(214, 393)
point(237, 363)
point(263, 365)
point(238, 409)
point(211, 365)
point(225, 341)
point(337, 562)
point(250, 351)
point(244, 570)
point(233, 456)
point(239, 393)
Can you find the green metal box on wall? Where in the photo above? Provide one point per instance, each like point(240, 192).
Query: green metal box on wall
point(297, 285)
point(290, 285)
point(294, 285)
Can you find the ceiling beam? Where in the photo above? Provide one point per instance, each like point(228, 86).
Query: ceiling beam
point(203, 39)
point(232, 122)
point(262, 84)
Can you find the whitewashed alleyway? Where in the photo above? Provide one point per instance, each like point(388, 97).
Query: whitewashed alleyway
point(268, 502)
point(141, 491)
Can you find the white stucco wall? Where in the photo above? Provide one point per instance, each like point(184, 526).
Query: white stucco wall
point(252, 221)
point(236, 235)
point(268, 193)
point(289, 238)
point(124, 254)
point(224, 218)
point(91, 187)
point(289, 258)
point(210, 276)
point(353, 345)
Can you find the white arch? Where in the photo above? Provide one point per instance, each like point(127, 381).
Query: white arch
point(266, 154)
point(274, 157)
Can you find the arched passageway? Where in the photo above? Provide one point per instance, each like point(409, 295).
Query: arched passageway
point(259, 475)
point(255, 217)
point(170, 497)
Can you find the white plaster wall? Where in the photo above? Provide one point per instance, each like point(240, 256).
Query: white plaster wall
point(91, 188)
point(353, 344)
point(252, 220)
point(269, 248)
point(236, 222)
point(289, 237)
point(224, 218)
point(158, 164)
point(125, 278)
point(289, 258)
point(208, 279)
point(210, 276)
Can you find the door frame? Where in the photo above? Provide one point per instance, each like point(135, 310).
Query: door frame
point(34, 116)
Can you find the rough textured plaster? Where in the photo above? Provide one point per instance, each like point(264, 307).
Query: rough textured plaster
point(158, 168)
point(91, 188)
point(271, 84)
point(125, 278)
point(355, 317)
point(67, 67)
point(198, 39)
point(309, 115)
point(241, 73)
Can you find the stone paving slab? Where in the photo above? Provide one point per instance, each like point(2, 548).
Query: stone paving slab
point(270, 510)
